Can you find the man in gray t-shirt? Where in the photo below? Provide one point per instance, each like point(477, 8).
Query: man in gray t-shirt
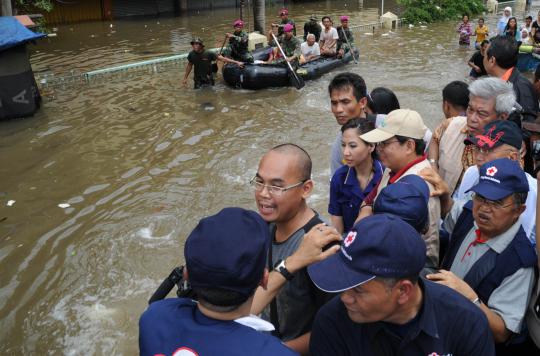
point(282, 185)
point(348, 98)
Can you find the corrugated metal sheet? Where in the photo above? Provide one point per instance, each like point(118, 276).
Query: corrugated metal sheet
point(74, 11)
point(123, 8)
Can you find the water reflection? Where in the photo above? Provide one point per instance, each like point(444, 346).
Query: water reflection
point(139, 160)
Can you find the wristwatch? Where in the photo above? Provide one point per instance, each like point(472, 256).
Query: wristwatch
point(281, 268)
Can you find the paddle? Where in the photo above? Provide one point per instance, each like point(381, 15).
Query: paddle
point(297, 81)
point(348, 44)
point(214, 65)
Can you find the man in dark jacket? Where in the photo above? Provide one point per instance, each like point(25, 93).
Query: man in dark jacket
point(312, 27)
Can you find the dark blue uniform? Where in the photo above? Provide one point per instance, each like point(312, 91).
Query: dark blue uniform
point(177, 324)
point(447, 324)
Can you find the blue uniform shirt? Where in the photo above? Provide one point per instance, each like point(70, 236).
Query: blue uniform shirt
point(448, 324)
point(175, 324)
point(346, 195)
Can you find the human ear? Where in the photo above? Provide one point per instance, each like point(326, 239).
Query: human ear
point(307, 188)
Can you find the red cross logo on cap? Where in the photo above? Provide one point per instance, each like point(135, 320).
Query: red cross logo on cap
point(349, 239)
point(491, 171)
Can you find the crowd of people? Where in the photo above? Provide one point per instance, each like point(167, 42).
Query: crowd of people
point(326, 41)
point(431, 248)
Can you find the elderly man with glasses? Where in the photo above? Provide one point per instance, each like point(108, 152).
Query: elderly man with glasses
point(282, 185)
point(500, 139)
point(490, 260)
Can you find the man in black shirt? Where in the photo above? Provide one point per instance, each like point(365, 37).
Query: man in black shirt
point(477, 61)
point(312, 27)
point(202, 60)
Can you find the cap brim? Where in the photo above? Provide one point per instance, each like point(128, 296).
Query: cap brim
point(490, 191)
point(332, 275)
point(376, 135)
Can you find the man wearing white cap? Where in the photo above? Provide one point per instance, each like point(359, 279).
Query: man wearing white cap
point(401, 150)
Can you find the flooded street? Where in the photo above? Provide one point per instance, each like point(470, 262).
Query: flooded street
point(134, 161)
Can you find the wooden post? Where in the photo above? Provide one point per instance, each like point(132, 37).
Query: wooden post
point(259, 16)
point(106, 10)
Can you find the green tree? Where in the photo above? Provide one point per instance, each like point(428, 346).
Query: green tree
point(29, 5)
point(439, 10)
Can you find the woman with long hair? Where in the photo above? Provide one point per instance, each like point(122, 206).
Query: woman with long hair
point(357, 178)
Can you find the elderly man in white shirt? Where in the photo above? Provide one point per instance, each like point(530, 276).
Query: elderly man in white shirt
point(310, 49)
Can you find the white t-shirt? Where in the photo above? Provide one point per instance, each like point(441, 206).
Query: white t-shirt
point(308, 50)
point(329, 38)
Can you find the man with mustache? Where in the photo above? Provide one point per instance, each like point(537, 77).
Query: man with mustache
point(490, 260)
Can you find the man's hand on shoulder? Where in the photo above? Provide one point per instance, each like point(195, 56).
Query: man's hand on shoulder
point(312, 245)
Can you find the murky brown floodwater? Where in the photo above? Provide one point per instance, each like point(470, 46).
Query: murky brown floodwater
point(140, 160)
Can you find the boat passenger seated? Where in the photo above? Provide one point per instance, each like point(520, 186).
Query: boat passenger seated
point(238, 44)
point(329, 38)
point(310, 49)
point(289, 44)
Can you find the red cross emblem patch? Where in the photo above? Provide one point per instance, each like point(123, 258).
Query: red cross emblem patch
point(349, 239)
point(491, 171)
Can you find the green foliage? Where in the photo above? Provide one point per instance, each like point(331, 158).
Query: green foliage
point(439, 10)
point(29, 5)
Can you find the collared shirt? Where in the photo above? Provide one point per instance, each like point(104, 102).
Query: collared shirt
point(509, 300)
point(527, 218)
point(346, 196)
point(507, 74)
point(448, 324)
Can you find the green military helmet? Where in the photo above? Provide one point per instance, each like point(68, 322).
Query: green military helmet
point(197, 40)
point(313, 17)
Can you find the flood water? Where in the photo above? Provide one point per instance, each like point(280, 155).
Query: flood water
point(137, 161)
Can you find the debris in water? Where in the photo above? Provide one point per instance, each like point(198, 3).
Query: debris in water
point(411, 25)
point(225, 109)
point(207, 106)
point(64, 205)
point(166, 114)
point(10, 202)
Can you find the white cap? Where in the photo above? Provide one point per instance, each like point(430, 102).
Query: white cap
point(401, 122)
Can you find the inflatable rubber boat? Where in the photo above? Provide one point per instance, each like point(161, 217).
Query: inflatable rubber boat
point(260, 76)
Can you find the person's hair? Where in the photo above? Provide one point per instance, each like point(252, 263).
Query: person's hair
point(489, 88)
point(304, 163)
point(505, 50)
point(456, 93)
point(481, 19)
point(389, 283)
point(463, 16)
point(220, 300)
point(520, 198)
point(508, 23)
point(326, 17)
point(346, 80)
point(382, 101)
point(419, 144)
point(484, 42)
point(528, 18)
point(310, 35)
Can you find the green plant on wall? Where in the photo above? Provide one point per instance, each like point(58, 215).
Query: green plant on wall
point(28, 5)
point(439, 10)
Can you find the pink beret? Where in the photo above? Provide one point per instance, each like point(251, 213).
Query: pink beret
point(288, 27)
point(238, 23)
point(344, 18)
point(283, 12)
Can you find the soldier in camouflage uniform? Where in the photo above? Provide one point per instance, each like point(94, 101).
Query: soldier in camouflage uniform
point(342, 45)
point(312, 27)
point(284, 15)
point(289, 44)
point(238, 44)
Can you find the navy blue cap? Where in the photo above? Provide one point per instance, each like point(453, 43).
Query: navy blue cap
point(497, 133)
point(380, 245)
point(407, 198)
point(228, 251)
point(500, 178)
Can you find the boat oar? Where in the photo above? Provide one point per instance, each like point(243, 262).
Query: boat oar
point(214, 65)
point(297, 81)
point(348, 44)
